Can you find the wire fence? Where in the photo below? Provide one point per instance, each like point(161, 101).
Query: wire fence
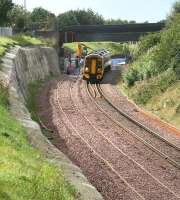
point(5, 31)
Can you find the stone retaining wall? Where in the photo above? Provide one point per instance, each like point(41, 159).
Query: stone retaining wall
point(20, 67)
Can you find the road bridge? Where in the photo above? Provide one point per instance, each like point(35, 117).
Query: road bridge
point(116, 33)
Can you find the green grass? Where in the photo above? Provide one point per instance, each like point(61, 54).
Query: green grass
point(33, 89)
point(24, 173)
point(160, 95)
point(25, 40)
point(166, 105)
point(21, 40)
point(143, 91)
point(5, 43)
point(114, 47)
point(153, 76)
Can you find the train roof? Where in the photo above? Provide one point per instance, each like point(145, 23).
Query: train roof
point(100, 52)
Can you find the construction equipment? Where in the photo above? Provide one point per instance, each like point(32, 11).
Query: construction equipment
point(82, 50)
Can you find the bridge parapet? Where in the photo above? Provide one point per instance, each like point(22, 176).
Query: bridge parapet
point(116, 33)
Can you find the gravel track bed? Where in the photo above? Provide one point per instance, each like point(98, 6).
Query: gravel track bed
point(131, 109)
point(151, 161)
point(123, 178)
point(159, 144)
point(97, 171)
point(131, 171)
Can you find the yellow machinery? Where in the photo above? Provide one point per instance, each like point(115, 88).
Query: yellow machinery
point(82, 50)
point(95, 64)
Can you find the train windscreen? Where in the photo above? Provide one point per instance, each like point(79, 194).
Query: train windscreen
point(93, 63)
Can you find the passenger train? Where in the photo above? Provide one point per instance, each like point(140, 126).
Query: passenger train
point(95, 64)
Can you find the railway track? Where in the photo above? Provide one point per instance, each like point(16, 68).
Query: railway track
point(116, 174)
point(154, 133)
point(122, 185)
point(113, 154)
point(158, 144)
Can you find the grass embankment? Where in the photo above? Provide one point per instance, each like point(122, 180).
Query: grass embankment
point(159, 95)
point(152, 80)
point(115, 48)
point(31, 100)
point(21, 40)
point(24, 172)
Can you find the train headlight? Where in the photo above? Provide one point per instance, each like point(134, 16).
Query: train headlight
point(86, 69)
point(98, 77)
point(99, 70)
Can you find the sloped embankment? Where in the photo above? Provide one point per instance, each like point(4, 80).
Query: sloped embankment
point(24, 172)
point(152, 80)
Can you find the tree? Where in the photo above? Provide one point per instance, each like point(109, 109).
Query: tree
point(39, 14)
point(19, 17)
point(88, 17)
point(132, 22)
point(118, 22)
point(176, 7)
point(5, 7)
point(43, 19)
point(67, 19)
point(79, 17)
point(175, 11)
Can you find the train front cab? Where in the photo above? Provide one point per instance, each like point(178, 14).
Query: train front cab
point(93, 68)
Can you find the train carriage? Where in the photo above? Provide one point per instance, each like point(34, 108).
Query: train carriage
point(95, 64)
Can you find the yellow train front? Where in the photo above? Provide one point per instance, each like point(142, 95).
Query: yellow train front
point(95, 64)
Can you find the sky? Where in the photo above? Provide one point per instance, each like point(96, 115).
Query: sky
point(138, 10)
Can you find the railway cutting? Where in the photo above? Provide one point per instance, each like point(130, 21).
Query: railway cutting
point(121, 158)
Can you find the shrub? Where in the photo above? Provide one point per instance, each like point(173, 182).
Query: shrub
point(168, 52)
point(131, 77)
point(156, 53)
point(146, 43)
point(141, 69)
point(143, 91)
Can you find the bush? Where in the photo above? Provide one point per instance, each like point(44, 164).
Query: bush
point(143, 91)
point(146, 43)
point(156, 53)
point(131, 77)
point(141, 69)
point(168, 54)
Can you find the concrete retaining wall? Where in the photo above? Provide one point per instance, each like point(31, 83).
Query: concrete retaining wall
point(20, 67)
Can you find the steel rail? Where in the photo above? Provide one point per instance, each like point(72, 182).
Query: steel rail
point(134, 120)
point(170, 160)
point(114, 145)
point(92, 149)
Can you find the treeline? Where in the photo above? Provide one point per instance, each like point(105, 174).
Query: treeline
point(86, 17)
point(42, 19)
point(19, 18)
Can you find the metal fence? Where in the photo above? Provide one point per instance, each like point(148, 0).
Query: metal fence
point(5, 31)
